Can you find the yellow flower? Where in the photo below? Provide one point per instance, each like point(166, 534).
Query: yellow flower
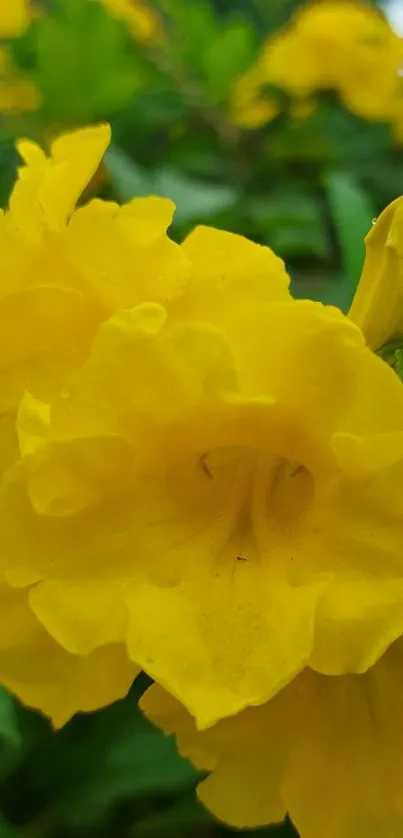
point(377, 307)
point(369, 83)
point(15, 16)
point(336, 45)
point(326, 750)
point(248, 108)
point(291, 64)
point(202, 469)
point(17, 93)
point(142, 21)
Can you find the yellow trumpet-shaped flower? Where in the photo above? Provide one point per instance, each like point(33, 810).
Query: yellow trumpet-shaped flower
point(377, 307)
point(338, 45)
point(196, 466)
point(326, 750)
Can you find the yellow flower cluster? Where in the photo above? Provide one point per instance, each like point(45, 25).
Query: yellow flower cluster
point(201, 477)
point(143, 22)
point(338, 45)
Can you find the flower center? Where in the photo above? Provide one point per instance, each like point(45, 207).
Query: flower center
point(257, 494)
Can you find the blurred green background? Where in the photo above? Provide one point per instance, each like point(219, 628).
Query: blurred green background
point(308, 187)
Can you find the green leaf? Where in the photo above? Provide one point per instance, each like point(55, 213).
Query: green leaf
point(9, 725)
point(229, 55)
point(291, 222)
point(7, 830)
point(352, 214)
point(114, 755)
point(82, 62)
point(194, 26)
point(194, 199)
point(182, 817)
point(129, 179)
point(11, 737)
point(297, 241)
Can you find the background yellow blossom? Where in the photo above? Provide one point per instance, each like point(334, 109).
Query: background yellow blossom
point(17, 93)
point(343, 46)
point(15, 16)
point(142, 20)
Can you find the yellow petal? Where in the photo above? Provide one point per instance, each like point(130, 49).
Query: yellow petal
point(45, 676)
point(99, 541)
point(47, 190)
point(86, 545)
point(9, 450)
point(43, 330)
point(125, 253)
point(214, 639)
point(174, 370)
point(67, 477)
point(229, 274)
point(356, 533)
point(33, 421)
point(361, 456)
point(81, 616)
point(328, 750)
point(344, 773)
point(145, 220)
point(167, 713)
point(141, 18)
point(357, 620)
point(377, 307)
point(246, 754)
point(287, 351)
point(376, 405)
